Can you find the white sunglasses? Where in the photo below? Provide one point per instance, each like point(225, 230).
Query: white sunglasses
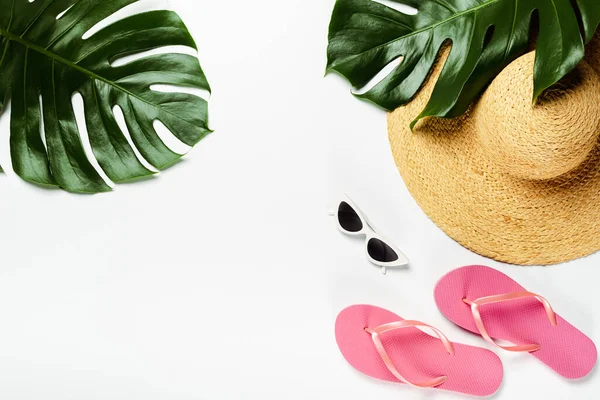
point(352, 221)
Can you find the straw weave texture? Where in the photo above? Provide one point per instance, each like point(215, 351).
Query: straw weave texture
point(508, 180)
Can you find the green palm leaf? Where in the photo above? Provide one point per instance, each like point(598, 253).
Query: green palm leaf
point(486, 35)
point(43, 55)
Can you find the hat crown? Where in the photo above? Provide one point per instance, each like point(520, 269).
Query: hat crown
point(545, 140)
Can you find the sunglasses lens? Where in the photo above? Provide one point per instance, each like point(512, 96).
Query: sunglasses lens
point(381, 252)
point(348, 218)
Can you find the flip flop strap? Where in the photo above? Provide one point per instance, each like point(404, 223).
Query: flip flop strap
point(476, 311)
point(387, 360)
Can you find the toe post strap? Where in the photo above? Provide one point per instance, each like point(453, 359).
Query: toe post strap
point(380, 330)
point(476, 311)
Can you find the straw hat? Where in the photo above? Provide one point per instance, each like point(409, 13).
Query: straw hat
point(508, 180)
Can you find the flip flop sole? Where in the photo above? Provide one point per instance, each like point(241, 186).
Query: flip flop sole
point(417, 355)
point(563, 348)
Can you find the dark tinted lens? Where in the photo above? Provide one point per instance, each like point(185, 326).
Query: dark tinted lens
point(349, 219)
point(379, 251)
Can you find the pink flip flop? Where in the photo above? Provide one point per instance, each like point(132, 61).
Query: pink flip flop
point(382, 345)
point(489, 303)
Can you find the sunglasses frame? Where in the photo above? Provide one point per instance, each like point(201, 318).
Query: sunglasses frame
point(370, 232)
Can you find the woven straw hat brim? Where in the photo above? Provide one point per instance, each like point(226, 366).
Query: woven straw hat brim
point(495, 214)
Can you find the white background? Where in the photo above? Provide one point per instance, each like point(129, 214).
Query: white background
point(222, 278)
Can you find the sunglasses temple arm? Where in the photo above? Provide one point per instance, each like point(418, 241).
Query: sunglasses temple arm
point(369, 223)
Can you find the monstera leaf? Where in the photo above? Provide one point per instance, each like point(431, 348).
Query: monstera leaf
point(43, 53)
point(486, 35)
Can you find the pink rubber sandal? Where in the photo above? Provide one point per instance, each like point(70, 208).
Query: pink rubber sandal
point(382, 345)
point(489, 303)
